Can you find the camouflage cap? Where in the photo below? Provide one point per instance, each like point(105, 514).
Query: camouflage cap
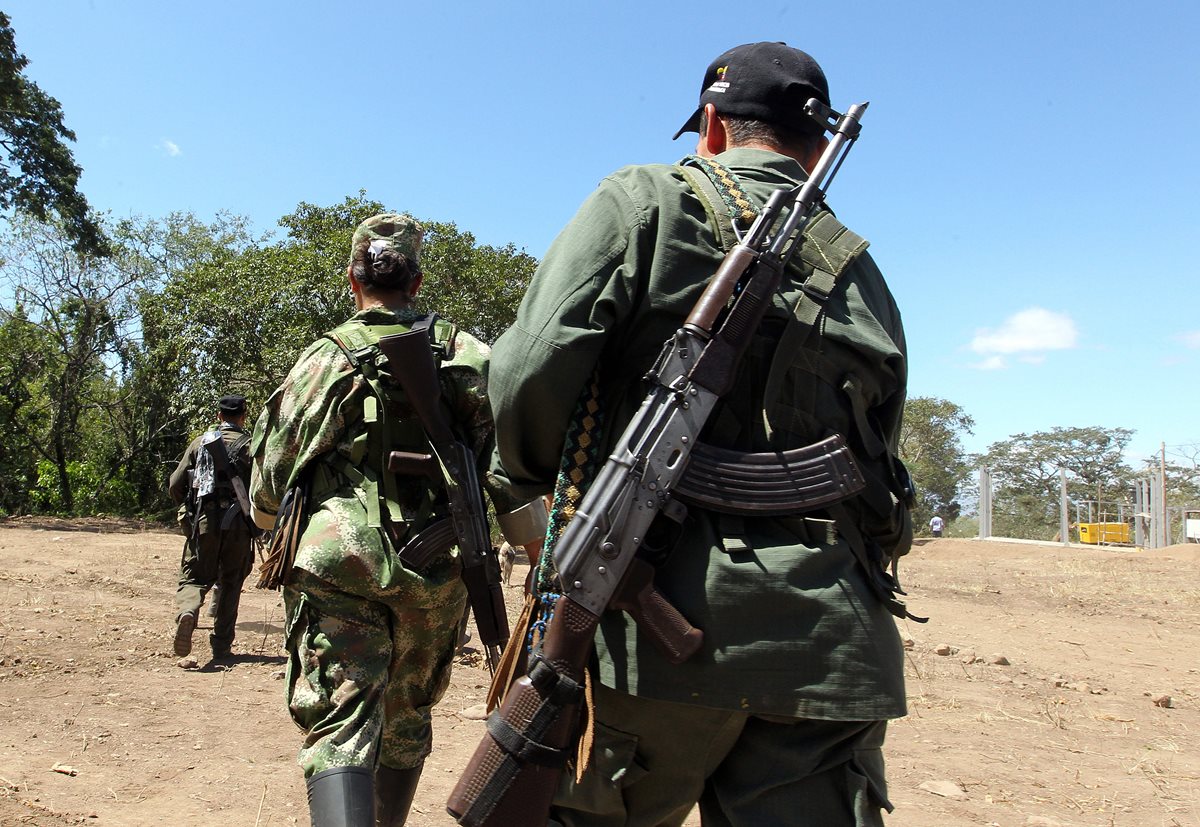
point(393, 231)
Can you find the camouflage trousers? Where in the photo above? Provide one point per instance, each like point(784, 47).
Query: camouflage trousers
point(365, 668)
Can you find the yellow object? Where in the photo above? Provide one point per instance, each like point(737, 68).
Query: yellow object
point(1104, 533)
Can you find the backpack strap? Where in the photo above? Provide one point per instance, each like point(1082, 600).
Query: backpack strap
point(727, 205)
point(828, 248)
point(235, 451)
point(359, 343)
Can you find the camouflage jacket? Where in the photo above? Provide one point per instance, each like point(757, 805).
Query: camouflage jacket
point(311, 423)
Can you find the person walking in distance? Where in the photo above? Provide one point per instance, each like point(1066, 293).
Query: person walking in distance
point(210, 484)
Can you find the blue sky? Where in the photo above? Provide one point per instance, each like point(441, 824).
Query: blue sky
point(1023, 175)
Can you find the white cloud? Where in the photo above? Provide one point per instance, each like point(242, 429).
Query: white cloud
point(170, 147)
point(991, 363)
point(1032, 331)
point(1190, 340)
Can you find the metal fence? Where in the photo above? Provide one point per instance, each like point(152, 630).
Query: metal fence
point(1144, 520)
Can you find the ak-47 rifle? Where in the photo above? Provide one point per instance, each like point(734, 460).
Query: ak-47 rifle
point(513, 775)
point(412, 365)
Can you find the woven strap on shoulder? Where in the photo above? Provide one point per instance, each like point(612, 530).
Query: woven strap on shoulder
point(729, 207)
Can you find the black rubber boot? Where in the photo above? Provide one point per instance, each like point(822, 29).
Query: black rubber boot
point(342, 797)
point(394, 792)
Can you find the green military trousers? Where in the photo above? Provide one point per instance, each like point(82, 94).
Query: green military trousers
point(365, 667)
point(215, 557)
point(653, 761)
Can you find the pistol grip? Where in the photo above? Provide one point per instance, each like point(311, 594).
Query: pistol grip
point(670, 632)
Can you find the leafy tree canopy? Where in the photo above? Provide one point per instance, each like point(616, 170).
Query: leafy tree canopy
point(38, 174)
point(109, 365)
point(1025, 475)
point(237, 320)
point(931, 448)
point(1093, 457)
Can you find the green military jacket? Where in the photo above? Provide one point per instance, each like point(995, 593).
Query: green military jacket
point(791, 626)
point(180, 480)
point(312, 422)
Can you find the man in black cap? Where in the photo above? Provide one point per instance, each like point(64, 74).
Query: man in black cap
point(210, 485)
point(780, 717)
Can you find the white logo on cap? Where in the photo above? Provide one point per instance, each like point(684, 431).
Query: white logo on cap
point(719, 86)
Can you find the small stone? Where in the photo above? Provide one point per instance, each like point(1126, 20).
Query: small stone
point(968, 658)
point(946, 789)
point(908, 642)
point(1164, 701)
point(945, 649)
point(188, 662)
point(476, 713)
point(1085, 688)
point(65, 769)
point(999, 660)
point(278, 674)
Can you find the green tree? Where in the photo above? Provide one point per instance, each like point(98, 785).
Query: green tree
point(108, 366)
point(150, 428)
point(76, 316)
point(237, 320)
point(931, 448)
point(1025, 476)
point(22, 358)
point(38, 175)
point(476, 286)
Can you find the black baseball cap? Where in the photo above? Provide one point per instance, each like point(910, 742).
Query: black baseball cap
point(232, 404)
point(765, 81)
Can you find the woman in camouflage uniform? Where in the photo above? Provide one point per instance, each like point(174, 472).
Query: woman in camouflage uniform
point(370, 640)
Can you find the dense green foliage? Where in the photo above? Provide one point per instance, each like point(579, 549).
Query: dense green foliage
point(109, 365)
point(38, 175)
point(931, 447)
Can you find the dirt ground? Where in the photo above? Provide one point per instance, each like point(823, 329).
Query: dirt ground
point(1052, 686)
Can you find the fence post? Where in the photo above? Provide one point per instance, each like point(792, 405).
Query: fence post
point(1139, 509)
point(985, 502)
point(1064, 526)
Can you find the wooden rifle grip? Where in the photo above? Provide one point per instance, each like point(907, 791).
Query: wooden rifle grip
point(670, 632)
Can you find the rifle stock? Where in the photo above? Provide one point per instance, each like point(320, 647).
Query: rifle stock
point(515, 771)
point(412, 365)
point(541, 709)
